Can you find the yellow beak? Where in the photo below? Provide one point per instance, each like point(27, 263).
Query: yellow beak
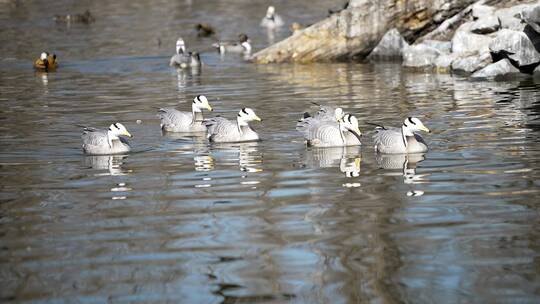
point(257, 118)
point(358, 131)
point(209, 107)
point(128, 134)
point(423, 128)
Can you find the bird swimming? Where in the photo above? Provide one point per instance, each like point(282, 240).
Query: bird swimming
point(330, 128)
point(271, 20)
point(204, 30)
point(393, 140)
point(107, 141)
point(46, 62)
point(85, 17)
point(172, 120)
point(221, 130)
point(184, 59)
point(242, 46)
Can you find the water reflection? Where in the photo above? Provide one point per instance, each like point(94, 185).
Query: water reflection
point(407, 164)
point(187, 77)
point(113, 164)
point(347, 159)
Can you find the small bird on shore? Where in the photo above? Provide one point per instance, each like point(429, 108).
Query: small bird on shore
point(271, 20)
point(242, 46)
point(173, 120)
point(222, 130)
point(393, 140)
point(204, 30)
point(46, 62)
point(107, 141)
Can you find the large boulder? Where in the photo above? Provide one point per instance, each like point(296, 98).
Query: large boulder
point(486, 25)
point(501, 68)
point(443, 63)
point(466, 43)
point(390, 47)
point(510, 17)
point(531, 16)
point(420, 56)
point(517, 47)
point(442, 46)
point(472, 63)
point(481, 10)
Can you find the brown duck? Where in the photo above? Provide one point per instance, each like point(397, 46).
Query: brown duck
point(46, 62)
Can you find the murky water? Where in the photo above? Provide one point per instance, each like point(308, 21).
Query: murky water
point(181, 220)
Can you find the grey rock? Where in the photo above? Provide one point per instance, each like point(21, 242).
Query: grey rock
point(471, 64)
point(466, 43)
point(516, 46)
point(390, 47)
point(486, 25)
point(443, 63)
point(419, 56)
point(480, 10)
point(510, 17)
point(531, 16)
point(442, 46)
point(500, 68)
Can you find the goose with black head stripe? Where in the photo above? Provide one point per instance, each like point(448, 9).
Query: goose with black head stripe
point(104, 142)
point(402, 140)
point(173, 120)
point(340, 131)
point(184, 59)
point(221, 130)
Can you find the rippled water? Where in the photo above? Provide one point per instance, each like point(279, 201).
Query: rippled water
point(269, 222)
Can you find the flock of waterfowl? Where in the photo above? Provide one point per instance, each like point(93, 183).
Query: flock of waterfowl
point(328, 127)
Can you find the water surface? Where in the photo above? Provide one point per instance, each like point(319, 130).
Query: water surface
point(269, 222)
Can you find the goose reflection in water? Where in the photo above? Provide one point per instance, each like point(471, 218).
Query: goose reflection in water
point(112, 163)
point(187, 78)
point(246, 156)
point(407, 163)
point(347, 159)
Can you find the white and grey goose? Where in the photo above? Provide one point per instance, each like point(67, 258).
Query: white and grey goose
point(107, 141)
point(173, 120)
point(184, 59)
point(337, 132)
point(392, 140)
point(271, 20)
point(221, 130)
point(242, 46)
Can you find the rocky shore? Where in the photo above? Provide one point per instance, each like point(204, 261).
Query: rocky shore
point(483, 39)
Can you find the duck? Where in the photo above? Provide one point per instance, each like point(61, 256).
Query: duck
point(242, 46)
point(173, 120)
point(271, 20)
point(204, 30)
point(85, 17)
point(392, 140)
point(46, 62)
point(330, 130)
point(184, 59)
point(222, 130)
point(106, 141)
